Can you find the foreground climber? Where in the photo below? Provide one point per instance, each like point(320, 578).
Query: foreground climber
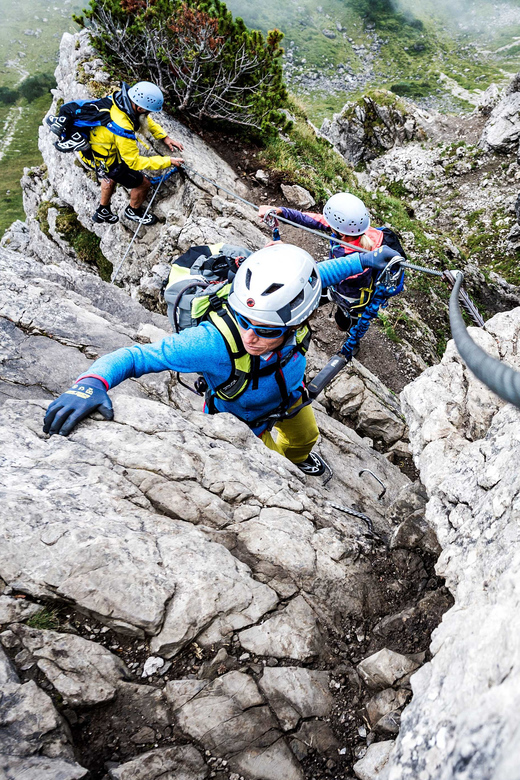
point(110, 146)
point(251, 352)
point(345, 217)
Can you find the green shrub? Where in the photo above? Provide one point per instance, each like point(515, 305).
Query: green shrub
point(8, 96)
point(210, 65)
point(48, 619)
point(35, 86)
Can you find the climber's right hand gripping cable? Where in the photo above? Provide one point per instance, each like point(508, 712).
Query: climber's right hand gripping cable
point(81, 400)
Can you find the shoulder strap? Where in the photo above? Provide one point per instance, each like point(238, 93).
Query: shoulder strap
point(120, 131)
point(240, 375)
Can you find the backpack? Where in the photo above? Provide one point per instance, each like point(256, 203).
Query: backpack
point(197, 290)
point(82, 115)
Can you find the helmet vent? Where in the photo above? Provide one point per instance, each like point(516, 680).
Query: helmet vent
point(248, 278)
point(297, 300)
point(272, 289)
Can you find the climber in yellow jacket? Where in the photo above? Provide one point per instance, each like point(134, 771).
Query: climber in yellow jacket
point(115, 154)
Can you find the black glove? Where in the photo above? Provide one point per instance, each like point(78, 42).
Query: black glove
point(379, 258)
point(83, 398)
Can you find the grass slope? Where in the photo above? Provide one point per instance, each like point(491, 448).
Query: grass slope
point(21, 55)
point(463, 39)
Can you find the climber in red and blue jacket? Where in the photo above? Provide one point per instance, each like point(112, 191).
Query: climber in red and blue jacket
point(346, 217)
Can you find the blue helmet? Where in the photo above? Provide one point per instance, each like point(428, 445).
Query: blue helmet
point(146, 95)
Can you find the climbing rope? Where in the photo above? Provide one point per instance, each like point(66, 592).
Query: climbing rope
point(157, 181)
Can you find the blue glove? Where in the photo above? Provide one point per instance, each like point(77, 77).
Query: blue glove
point(379, 258)
point(83, 398)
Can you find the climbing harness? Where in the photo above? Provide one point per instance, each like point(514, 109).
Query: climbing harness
point(157, 180)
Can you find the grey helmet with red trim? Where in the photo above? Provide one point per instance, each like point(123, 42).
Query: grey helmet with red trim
point(278, 285)
point(347, 214)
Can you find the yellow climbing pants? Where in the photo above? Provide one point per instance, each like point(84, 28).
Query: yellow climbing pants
point(295, 437)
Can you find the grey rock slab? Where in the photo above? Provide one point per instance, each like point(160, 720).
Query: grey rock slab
point(183, 762)
point(40, 768)
point(179, 692)
point(7, 670)
point(227, 715)
point(384, 668)
point(298, 196)
point(294, 692)
point(502, 130)
point(374, 761)
point(190, 502)
point(121, 561)
point(14, 610)
point(318, 735)
point(34, 739)
point(268, 763)
point(291, 633)
point(282, 539)
point(459, 714)
point(389, 724)
point(384, 702)
point(83, 672)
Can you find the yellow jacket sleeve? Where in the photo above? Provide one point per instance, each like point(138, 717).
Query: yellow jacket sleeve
point(155, 129)
point(129, 152)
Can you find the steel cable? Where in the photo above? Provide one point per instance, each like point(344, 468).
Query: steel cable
point(499, 377)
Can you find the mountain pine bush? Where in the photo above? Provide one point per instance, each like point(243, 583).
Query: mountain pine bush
point(209, 65)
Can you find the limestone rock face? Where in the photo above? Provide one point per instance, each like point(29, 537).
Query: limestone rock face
point(502, 130)
point(168, 525)
point(466, 443)
point(83, 672)
point(34, 740)
point(296, 693)
point(370, 127)
point(177, 763)
point(230, 718)
point(298, 196)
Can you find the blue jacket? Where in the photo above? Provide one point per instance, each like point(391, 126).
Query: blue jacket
point(202, 350)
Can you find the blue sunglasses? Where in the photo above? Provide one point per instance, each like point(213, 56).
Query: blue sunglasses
point(262, 331)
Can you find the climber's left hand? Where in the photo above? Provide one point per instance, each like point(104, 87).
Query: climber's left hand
point(171, 144)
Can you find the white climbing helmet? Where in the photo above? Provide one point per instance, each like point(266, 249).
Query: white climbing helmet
point(346, 214)
point(146, 95)
point(278, 285)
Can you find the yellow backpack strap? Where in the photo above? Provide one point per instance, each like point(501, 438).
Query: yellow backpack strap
point(240, 375)
point(303, 339)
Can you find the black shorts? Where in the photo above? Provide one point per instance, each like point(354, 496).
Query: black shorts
point(125, 176)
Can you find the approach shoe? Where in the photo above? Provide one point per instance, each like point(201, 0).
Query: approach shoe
point(103, 214)
point(137, 215)
point(57, 124)
point(312, 465)
point(76, 143)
